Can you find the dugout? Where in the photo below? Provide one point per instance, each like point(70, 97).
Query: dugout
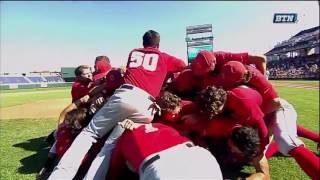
point(67, 73)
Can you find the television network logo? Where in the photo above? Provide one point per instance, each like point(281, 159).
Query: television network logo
point(285, 18)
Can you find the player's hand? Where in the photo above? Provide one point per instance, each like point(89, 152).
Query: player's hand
point(127, 124)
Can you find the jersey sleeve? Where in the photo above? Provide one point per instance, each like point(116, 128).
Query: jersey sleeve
point(224, 57)
point(259, 82)
point(78, 92)
point(174, 64)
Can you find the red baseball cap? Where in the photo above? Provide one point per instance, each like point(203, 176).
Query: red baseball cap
point(204, 62)
point(232, 72)
point(101, 69)
point(184, 81)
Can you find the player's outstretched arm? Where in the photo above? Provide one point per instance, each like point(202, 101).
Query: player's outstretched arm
point(259, 61)
point(71, 107)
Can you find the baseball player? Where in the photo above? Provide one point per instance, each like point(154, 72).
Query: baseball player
point(241, 103)
point(145, 73)
point(206, 61)
point(207, 65)
point(185, 84)
point(185, 121)
point(83, 83)
point(283, 123)
point(72, 117)
point(235, 73)
point(301, 132)
point(241, 144)
point(284, 129)
point(102, 66)
point(160, 152)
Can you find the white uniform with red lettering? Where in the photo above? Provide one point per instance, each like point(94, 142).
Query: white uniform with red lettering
point(146, 71)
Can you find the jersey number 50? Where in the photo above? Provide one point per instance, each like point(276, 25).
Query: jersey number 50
point(148, 61)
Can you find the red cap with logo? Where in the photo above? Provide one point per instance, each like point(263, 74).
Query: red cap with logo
point(204, 62)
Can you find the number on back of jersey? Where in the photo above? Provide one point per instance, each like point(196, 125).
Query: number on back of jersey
point(147, 61)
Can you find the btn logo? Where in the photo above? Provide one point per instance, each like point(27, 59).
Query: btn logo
point(285, 18)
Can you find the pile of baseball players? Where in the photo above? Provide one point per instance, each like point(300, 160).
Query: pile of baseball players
point(161, 119)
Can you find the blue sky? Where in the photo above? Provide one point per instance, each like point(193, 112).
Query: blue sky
point(49, 35)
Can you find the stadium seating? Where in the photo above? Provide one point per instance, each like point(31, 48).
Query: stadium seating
point(13, 80)
point(35, 79)
point(30, 79)
point(297, 57)
point(53, 79)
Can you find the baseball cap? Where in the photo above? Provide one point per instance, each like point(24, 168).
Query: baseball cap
point(102, 68)
point(232, 71)
point(204, 62)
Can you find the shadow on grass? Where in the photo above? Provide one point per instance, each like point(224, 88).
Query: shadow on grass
point(33, 163)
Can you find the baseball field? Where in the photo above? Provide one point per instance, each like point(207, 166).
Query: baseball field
point(27, 116)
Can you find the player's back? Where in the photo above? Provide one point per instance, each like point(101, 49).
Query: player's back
point(148, 67)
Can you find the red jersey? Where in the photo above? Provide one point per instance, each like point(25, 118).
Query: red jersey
point(224, 57)
point(80, 88)
point(259, 82)
point(244, 104)
point(220, 127)
point(148, 67)
point(65, 137)
point(134, 146)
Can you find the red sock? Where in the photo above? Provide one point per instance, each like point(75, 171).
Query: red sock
point(272, 149)
point(307, 160)
point(306, 133)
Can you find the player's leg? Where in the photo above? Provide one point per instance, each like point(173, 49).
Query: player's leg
point(285, 134)
point(100, 165)
point(136, 101)
point(102, 122)
point(272, 149)
point(306, 133)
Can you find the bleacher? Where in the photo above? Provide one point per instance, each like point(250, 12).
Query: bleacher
point(13, 80)
point(35, 79)
point(51, 79)
point(297, 57)
point(29, 79)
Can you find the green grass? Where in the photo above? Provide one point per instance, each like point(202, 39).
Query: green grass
point(309, 82)
point(23, 151)
point(306, 103)
point(22, 147)
point(22, 96)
